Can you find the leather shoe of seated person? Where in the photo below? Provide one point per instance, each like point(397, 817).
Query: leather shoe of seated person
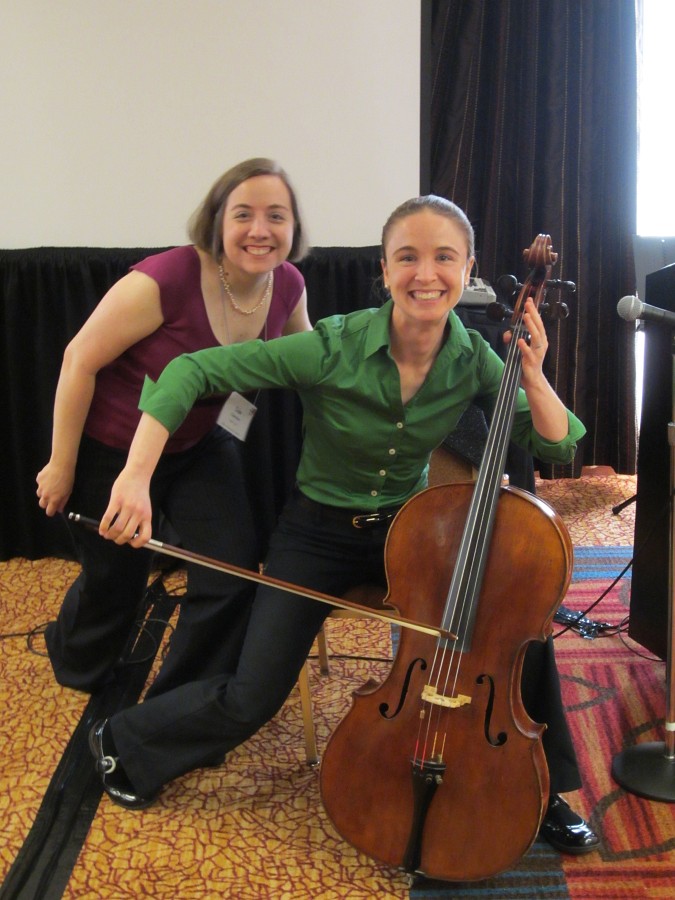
point(566, 830)
point(113, 777)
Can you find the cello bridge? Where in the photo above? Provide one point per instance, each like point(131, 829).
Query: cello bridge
point(431, 695)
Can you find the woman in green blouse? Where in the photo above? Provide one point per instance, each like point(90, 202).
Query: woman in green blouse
point(380, 389)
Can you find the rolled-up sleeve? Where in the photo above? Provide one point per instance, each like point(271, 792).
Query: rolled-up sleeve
point(554, 452)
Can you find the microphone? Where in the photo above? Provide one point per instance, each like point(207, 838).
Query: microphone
point(631, 308)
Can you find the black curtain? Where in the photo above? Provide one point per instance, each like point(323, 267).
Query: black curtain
point(529, 124)
point(46, 294)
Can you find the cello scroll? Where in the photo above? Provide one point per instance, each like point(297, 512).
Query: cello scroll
point(512, 294)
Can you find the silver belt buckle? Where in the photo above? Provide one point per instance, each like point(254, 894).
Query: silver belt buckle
point(365, 520)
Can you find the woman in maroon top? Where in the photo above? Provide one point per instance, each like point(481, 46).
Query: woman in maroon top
point(232, 283)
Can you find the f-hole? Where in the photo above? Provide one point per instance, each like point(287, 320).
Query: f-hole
point(384, 707)
point(501, 738)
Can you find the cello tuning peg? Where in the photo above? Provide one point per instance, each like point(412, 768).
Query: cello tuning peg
point(497, 311)
point(554, 311)
point(507, 286)
point(566, 287)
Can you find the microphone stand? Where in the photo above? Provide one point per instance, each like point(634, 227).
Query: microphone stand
point(621, 506)
point(648, 769)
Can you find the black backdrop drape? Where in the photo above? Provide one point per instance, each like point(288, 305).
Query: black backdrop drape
point(47, 293)
point(529, 124)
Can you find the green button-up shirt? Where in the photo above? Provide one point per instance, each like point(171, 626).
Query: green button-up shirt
point(362, 447)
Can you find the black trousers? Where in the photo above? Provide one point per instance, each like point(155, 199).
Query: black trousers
point(198, 723)
point(201, 493)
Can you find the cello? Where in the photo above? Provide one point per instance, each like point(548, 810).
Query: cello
point(439, 770)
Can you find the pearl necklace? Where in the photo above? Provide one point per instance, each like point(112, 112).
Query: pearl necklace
point(245, 312)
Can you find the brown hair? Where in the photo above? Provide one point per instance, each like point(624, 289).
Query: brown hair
point(205, 228)
point(437, 205)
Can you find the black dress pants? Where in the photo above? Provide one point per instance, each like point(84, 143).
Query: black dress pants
point(198, 723)
point(201, 493)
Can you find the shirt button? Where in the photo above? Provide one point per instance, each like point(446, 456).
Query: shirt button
point(399, 424)
point(391, 451)
point(383, 471)
point(373, 493)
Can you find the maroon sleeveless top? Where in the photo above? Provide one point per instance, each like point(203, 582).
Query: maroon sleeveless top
point(114, 414)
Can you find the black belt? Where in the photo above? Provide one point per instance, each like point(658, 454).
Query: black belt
point(342, 514)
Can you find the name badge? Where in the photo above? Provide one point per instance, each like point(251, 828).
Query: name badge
point(236, 415)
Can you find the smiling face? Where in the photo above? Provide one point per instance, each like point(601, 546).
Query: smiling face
point(426, 265)
point(258, 225)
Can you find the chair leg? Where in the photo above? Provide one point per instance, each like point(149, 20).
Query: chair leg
point(322, 647)
point(311, 751)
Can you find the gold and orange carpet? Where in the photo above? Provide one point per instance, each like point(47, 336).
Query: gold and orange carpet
point(255, 829)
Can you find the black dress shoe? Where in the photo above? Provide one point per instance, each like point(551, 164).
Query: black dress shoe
point(567, 831)
point(113, 777)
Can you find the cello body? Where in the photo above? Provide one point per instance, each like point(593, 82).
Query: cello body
point(468, 804)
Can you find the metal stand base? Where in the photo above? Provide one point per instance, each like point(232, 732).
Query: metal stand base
point(646, 770)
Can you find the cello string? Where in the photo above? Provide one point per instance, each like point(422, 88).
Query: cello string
point(467, 566)
point(472, 558)
point(495, 453)
point(463, 594)
point(487, 487)
point(470, 566)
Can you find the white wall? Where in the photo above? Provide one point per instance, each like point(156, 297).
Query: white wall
point(117, 115)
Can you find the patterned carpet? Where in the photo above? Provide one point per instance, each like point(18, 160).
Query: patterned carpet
point(255, 828)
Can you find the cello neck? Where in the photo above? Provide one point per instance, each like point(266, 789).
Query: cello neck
point(460, 610)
